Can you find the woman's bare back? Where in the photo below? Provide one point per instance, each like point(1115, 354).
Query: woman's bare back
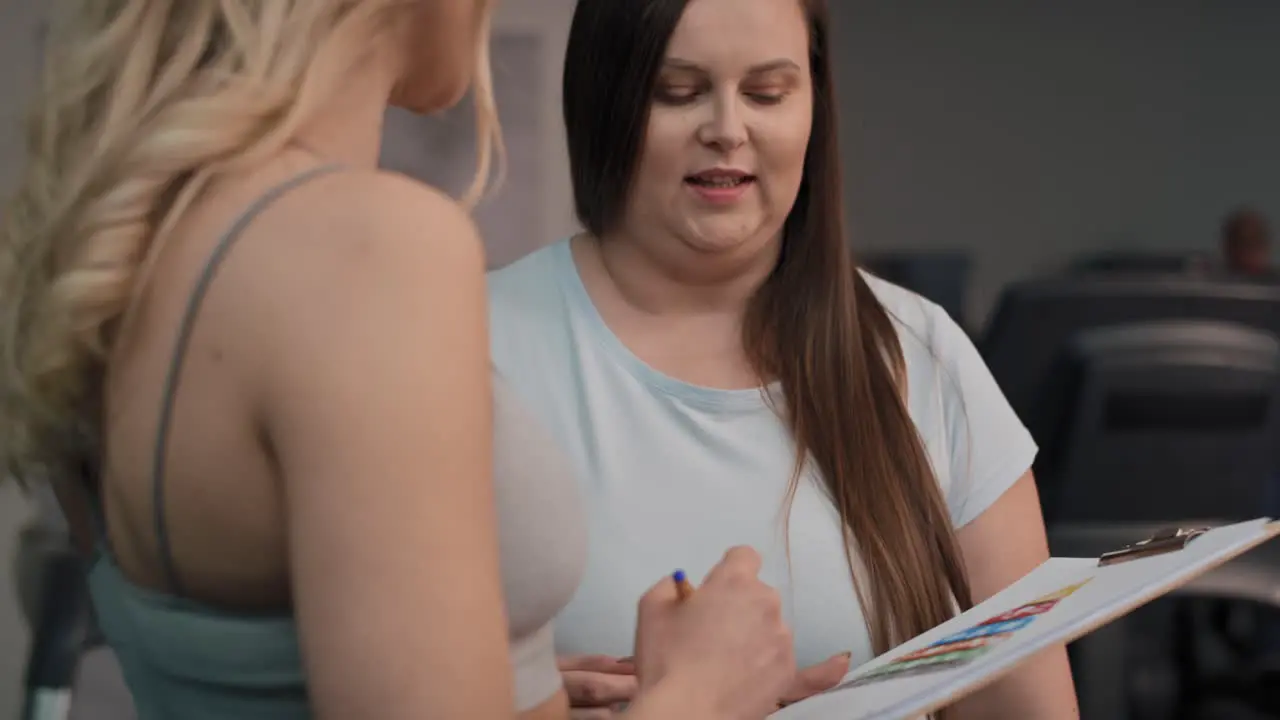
point(222, 508)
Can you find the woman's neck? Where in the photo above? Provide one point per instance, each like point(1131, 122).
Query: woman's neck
point(348, 130)
point(678, 282)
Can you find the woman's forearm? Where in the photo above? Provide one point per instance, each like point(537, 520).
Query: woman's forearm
point(1040, 689)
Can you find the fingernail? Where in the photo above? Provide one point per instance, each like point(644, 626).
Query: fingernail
point(848, 654)
point(626, 660)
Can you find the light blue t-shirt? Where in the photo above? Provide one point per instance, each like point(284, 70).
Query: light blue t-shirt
point(673, 474)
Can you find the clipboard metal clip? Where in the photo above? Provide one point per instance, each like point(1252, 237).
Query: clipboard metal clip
point(1163, 542)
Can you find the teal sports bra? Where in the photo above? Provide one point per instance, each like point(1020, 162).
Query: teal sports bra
point(184, 659)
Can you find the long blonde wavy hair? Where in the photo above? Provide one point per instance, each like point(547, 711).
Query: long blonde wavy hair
point(142, 104)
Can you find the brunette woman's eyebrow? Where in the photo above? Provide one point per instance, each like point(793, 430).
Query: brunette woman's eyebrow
point(675, 63)
point(772, 66)
point(679, 65)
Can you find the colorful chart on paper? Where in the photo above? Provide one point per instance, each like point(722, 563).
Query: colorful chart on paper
point(964, 647)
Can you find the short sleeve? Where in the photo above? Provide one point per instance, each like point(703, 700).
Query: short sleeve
point(990, 448)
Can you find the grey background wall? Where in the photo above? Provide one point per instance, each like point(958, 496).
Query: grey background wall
point(1023, 132)
point(1029, 132)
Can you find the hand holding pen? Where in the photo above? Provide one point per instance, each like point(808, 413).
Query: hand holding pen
point(726, 642)
point(600, 687)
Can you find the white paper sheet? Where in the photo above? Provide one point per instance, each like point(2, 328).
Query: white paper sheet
point(991, 651)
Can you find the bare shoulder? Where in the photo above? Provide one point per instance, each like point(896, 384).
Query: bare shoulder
point(385, 215)
point(357, 239)
point(357, 260)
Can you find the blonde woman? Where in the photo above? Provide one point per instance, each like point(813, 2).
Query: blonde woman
point(255, 369)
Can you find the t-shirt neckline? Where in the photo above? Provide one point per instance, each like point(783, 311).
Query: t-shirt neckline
point(706, 398)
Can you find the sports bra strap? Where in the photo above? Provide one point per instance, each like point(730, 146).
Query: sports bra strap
point(174, 375)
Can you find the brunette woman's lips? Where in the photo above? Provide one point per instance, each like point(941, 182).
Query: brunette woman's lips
point(719, 186)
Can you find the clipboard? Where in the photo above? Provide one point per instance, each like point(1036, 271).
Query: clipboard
point(1061, 600)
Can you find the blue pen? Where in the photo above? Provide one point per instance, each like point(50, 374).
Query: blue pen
point(684, 589)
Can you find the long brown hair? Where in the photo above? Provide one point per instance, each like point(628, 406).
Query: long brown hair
point(814, 324)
